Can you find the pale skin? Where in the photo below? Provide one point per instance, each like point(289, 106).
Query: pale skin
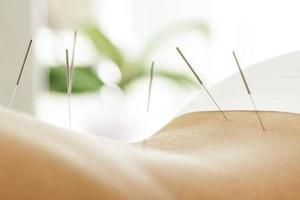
point(196, 156)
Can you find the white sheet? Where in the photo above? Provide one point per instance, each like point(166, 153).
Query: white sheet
point(274, 84)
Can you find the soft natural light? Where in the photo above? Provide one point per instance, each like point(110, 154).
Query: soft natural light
point(256, 30)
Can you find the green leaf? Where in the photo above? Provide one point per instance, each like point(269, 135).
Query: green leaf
point(132, 70)
point(178, 78)
point(84, 79)
point(181, 79)
point(104, 45)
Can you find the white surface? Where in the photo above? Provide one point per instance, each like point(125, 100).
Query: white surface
point(274, 84)
point(16, 31)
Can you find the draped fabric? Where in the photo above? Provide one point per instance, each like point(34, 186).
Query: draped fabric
point(274, 85)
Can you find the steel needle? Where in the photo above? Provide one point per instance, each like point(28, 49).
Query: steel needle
point(248, 90)
point(12, 98)
point(70, 69)
point(149, 95)
point(199, 80)
point(68, 86)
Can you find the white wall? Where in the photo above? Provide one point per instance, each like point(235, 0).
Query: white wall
point(256, 30)
point(16, 31)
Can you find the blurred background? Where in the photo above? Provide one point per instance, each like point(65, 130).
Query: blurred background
point(117, 41)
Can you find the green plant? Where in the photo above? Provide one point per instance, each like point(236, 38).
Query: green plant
point(137, 68)
point(131, 69)
point(84, 79)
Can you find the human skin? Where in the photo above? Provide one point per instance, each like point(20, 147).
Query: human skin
point(237, 159)
point(196, 156)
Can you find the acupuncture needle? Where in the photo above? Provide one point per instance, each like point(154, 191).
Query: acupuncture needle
point(248, 90)
point(149, 94)
point(12, 98)
point(68, 86)
point(200, 81)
